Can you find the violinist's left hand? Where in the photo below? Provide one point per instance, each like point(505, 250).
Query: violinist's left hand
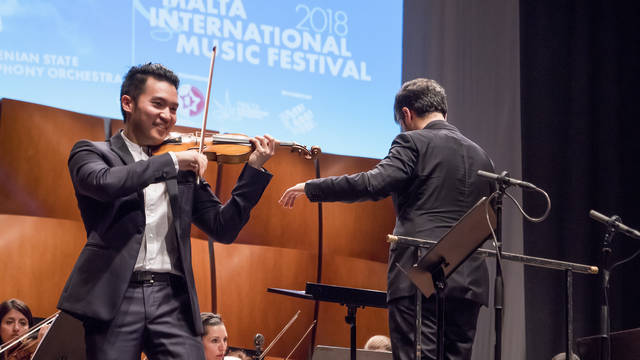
point(265, 147)
point(291, 194)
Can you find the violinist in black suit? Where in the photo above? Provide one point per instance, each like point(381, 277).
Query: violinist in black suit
point(133, 284)
point(430, 172)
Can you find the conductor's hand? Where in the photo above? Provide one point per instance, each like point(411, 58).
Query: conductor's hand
point(291, 194)
point(191, 160)
point(265, 147)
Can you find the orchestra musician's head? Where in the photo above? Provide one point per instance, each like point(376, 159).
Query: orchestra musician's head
point(149, 103)
point(215, 336)
point(378, 343)
point(418, 102)
point(15, 319)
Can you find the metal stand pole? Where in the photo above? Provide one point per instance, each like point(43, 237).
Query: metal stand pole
point(418, 325)
point(351, 320)
point(499, 282)
point(605, 330)
point(440, 284)
point(569, 314)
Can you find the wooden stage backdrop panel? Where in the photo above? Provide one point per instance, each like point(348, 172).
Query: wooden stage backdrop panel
point(244, 272)
point(36, 257)
point(354, 254)
point(270, 223)
point(35, 142)
point(358, 273)
point(358, 229)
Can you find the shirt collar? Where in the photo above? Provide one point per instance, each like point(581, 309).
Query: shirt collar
point(133, 147)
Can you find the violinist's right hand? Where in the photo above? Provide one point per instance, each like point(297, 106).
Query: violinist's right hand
point(43, 331)
point(191, 160)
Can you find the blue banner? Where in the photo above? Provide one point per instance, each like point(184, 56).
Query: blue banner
point(315, 72)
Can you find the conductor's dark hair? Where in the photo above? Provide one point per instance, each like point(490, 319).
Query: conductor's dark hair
point(422, 96)
point(136, 79)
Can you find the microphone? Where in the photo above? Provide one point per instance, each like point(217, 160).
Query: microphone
point(258, 341)
point(614, 222)
point(503, 178)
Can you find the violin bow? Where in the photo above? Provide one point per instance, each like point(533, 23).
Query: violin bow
point(206, 102)
point(264, 353)
point(206, 105)
point(302, 338)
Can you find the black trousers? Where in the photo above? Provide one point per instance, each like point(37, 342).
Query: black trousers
point(154, 318)
point(461, 317)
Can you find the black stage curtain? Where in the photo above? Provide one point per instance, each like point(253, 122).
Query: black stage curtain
point(580, 126)
point(471, 48)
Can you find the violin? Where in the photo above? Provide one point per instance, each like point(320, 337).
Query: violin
point(25, 350)
point(224, 148)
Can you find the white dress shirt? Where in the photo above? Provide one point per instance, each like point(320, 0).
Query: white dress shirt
point(153, 254)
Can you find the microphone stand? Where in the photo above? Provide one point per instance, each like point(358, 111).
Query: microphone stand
point(503, 181)
point(614, 224)
point(605, 329)
point(498, 301)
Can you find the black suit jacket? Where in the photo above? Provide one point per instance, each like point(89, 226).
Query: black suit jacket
point(109, 189)
point(431, 175)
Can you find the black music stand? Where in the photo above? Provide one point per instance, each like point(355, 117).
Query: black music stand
point(64, 340)
point(567, 267)
point(352, 298)
point(431, 271)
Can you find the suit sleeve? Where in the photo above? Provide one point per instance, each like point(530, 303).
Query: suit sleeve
point(224, 222)
point(387, 177)
point(93, 174)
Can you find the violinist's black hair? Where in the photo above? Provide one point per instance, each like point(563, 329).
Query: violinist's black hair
point(423, 96)
point(136, 79)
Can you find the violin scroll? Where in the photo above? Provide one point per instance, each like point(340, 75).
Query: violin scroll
point(302, 150)
point(258, 341)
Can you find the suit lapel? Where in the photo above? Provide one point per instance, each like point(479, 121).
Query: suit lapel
point(172, 188)
point(120, 148)
point(173, 242)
